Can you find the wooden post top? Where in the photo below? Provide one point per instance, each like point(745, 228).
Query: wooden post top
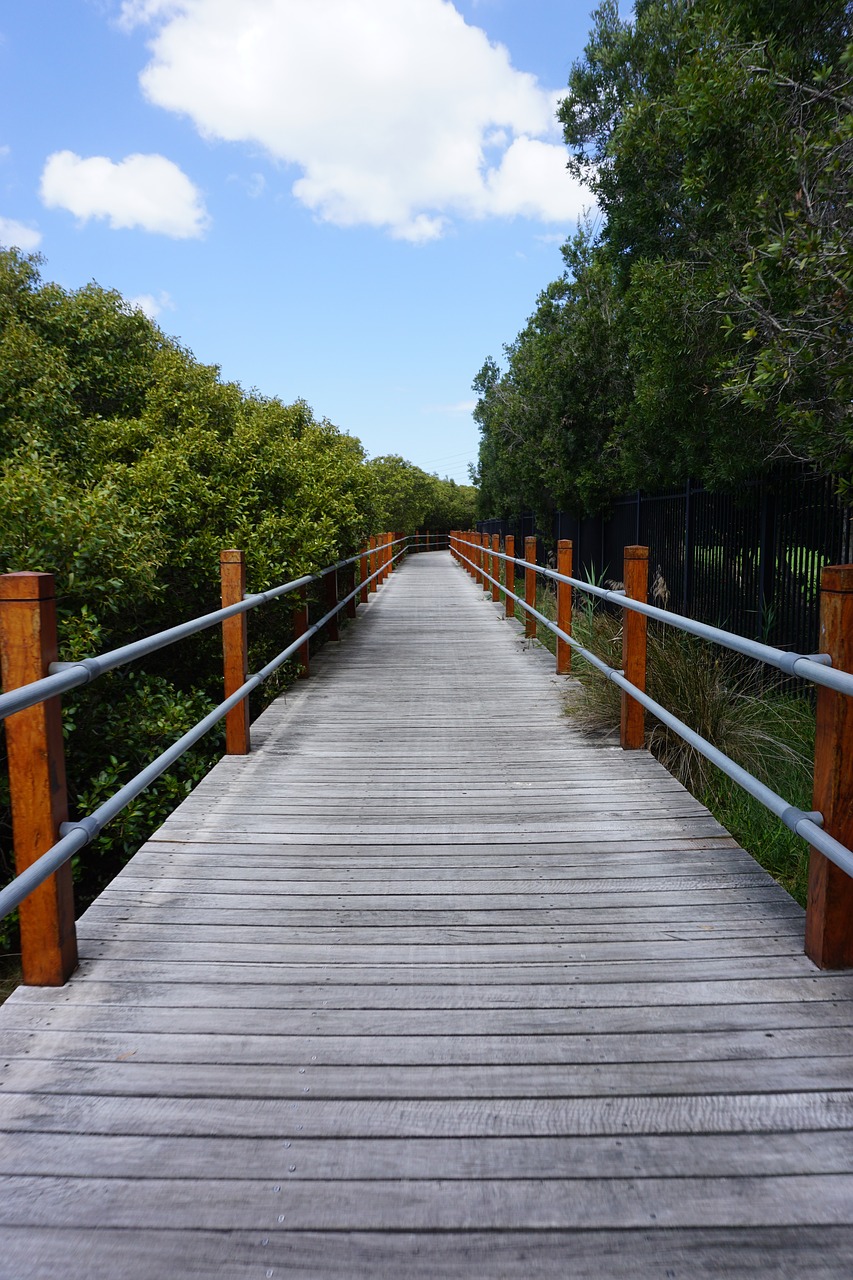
point(232, 556)
point(27, 586)
point(836, 577)
point(636, 553)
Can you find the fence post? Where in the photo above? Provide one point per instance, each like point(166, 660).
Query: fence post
point(28, 645)
point(564, 606)
point(636, 575)
point(373, 557)
point(300, 626)
point(330, 595)
point(496, 546)
point(363, 573)
point(530, 586)
point(509, 575)
point(486, 559)
point(829, 909)
point(235, 651)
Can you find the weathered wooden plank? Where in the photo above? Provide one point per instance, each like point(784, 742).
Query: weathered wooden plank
point(128, 1009)
point(814, 1111)
point(618, 1203)
point(451, 1159)
point(822, 1253)
point(272, 986)
point(289, 1083)
point(271, 1046)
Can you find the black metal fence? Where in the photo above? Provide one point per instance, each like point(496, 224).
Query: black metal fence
point(749, 561)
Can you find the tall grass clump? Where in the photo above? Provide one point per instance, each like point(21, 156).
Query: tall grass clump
point(726, 699)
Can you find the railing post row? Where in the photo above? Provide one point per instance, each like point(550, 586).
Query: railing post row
point(829, 908)
point(364, 573)
point(530, 586)
point(509, 575)
point(564, 606)
point(28, 645)
point(235, 651)
point(373, 557)
point(634, 629)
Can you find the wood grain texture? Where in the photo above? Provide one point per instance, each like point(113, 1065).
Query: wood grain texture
point(37, 786)
point(431, 984)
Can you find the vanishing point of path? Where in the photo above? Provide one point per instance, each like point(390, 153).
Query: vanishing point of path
point(432, 985)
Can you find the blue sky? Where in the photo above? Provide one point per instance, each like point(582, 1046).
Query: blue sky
point(349, 201)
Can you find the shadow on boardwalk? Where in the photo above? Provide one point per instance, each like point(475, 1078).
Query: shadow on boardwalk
point(431, 985)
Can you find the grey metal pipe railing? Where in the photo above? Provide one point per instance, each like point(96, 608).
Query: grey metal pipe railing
point(806, 825)
point(81, 832)
point(814, 667)
point(65, 676)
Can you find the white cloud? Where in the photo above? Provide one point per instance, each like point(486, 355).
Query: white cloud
point(145, 191)
point(400, 115)
point(18, 234)
point(150, 305)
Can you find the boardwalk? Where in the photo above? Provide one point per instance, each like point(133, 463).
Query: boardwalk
point(431, 985)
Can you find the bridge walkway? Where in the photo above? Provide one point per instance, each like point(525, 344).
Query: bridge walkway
point(431, 984)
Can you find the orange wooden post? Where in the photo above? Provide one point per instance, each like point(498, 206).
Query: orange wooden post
point(363, 573)
point(28, 645)
point(530, 586)
point(373, 561)
point(427, 539)
point(564, 606)
point(509, 578)
point(300, 626)
point(486, 559)
point(235, 651)
point(636, 575)
point(330, 599)
point(496, 546)
point(389, 553)
point(829, 909)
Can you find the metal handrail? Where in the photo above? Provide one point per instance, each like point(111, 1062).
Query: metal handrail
point(806, 825)
point(816, 667)
point(76, 835)
point(65, 676)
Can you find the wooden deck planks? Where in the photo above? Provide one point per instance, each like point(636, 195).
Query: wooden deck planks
point(431, 984)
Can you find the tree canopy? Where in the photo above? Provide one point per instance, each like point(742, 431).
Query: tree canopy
point(701, 325)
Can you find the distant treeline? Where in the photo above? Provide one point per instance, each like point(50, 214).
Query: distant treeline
point(125, 467)
point(702, 324)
